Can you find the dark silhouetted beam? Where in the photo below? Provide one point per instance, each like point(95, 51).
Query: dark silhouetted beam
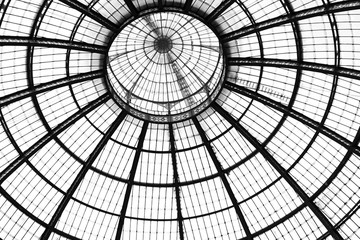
point(292, 113)
point(160, 5)
point(283, 173)
point(81, 175)
point(223, 177)
point(176, 181)
point(296, 16)
point(75, 4)
point(219, 10)
point(187, 5)
point(309, 66)
point(14, 165)
point(36, 219)
point(131, 179)
point(132, 7)
point(45, 87)
point(51, 43)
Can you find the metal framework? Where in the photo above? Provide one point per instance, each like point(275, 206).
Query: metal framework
point(15, 164)
point(292, 113)
point(51, 43)
point(295, 16)
point(45, 87)
point(176, 181)
point(74, 186)
point(91, 13)
point(275, 164)
point(309, 66)
point(223, 177)
point(131, 180)
point(179, 156)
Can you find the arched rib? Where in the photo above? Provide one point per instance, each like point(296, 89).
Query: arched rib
point(176, 181)
point(81, 175)
point(45, 87)
point(223, 177)
point(75, 4)
point(283, 173)
point(219, 10)
point(287, 63)
point(51, 43)
point(296, 16)
point(131, 180)
point(14, 165)
point(292, 113)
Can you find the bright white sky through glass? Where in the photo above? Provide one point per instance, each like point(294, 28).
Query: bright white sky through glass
point(57, 115)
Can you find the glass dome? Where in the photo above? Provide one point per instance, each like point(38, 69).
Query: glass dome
point(179, 119)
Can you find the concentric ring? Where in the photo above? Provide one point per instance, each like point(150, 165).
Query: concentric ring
point(165, 64)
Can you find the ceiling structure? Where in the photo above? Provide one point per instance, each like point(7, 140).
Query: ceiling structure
point(179, 119)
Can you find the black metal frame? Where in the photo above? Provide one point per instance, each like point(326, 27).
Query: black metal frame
point(224, 180)
point(292, 17)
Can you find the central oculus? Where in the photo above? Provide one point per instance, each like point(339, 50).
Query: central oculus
point(165, 67)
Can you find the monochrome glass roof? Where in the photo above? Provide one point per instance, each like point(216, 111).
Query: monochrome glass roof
point(243, 126)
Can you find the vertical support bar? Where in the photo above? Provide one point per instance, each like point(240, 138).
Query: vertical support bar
point(176, 181)
point(131, 179)
point(223, 177)
point(14, 165)
point(187, 5)
point(283, 173)
point(70, 192)
point(132, 7)
point(219, 10)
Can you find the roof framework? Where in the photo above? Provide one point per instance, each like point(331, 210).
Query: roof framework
point(274, 156)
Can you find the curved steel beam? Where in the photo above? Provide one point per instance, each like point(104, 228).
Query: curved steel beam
point(75, 4)
point(14, 165)
point(277, 166)
point(132, 7)
point(309, 66)
point(160, 5)
point(51, 43)
point(81, 175)
point(32, 216)
point(292, 113)
point(219, 10)
point(296, 16)
point(176, 181)
point(187, 5)
point(131, 180)
point(45, 87)
point(223, 177)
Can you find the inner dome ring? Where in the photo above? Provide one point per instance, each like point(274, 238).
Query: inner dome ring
point(165, 67)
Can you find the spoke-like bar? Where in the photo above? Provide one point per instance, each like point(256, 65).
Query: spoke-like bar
point(160, 5)
point(49, 42)
point(45, 87)
point(81, 175)
point(292, 113)
point(339, 168)
point(284, 174)
point(75, 4)
point(223, 177)
point(296, 16)
point(219, 10)
point(131, 180)
point(49, 136)
point(132, 7)
point(187, 5)
point(176, 181)
point(30, 215)
point(309, 66)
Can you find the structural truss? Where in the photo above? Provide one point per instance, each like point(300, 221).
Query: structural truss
point(179, 119)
